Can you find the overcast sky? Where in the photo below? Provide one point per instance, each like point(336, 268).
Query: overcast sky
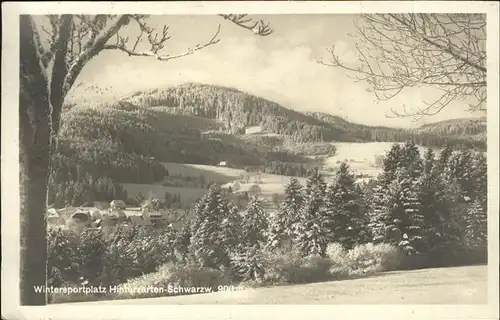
point(281, 67)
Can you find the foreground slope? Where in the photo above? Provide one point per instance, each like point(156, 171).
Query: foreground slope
point(460, 285)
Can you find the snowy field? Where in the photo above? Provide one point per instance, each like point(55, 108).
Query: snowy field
point(361, 157)
point(462, 285)
point(211, 173)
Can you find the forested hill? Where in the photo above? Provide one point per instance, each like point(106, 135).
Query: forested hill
point(467, 132)
point(470, 128)
point(236, 110)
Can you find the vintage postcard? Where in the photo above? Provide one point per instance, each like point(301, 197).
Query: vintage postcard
point(234, 160)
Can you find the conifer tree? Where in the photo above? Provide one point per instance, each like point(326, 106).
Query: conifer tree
point(453, 227)
point(214, 229)
point(343, 210)
point(476, 233)
point(448, 189)
point(254, 224)
point(248, 263)
point(433, 205)
point(479, 177)
point(414, 228)
point(315, 183)
point(378, 214)
point(231, 227)
point(387, 217)
point(429, 161)
point(442, 163)
point(396, 215)
point(411, 160)
point(311, 231)
point(392, 161)
point(460, 166)
point(283, 222)
point(312, 234)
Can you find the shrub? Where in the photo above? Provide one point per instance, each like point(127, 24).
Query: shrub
point(337, 255)
point(286, 267)
point(336, 252)
point(279, 266)
point(169, 276)
point(317, 268)
point(388, 257)
point(370, 258)
point(363, 259)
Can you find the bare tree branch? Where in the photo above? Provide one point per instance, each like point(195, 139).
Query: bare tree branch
point(157, 45)
point(87, 36)
point(99, 39)
point(258, 27)
point(443, 51)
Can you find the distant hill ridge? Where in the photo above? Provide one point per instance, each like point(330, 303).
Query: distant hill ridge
point(236, 110)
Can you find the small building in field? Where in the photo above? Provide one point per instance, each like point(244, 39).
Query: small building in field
point(222, 164)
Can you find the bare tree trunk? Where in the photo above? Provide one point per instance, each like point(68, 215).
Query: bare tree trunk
point(34, 146)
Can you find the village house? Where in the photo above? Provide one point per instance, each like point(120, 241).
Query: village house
point(118, 205)
point(53, 216)
point(155, 216)
point(79, 220)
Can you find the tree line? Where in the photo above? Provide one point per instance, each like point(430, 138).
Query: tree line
point(286, 168)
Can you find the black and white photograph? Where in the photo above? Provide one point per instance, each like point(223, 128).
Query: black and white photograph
point(329, 154)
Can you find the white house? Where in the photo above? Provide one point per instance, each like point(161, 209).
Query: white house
point(52, 213)
point(222, 164)
point(253, 130)
point(117, 204)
